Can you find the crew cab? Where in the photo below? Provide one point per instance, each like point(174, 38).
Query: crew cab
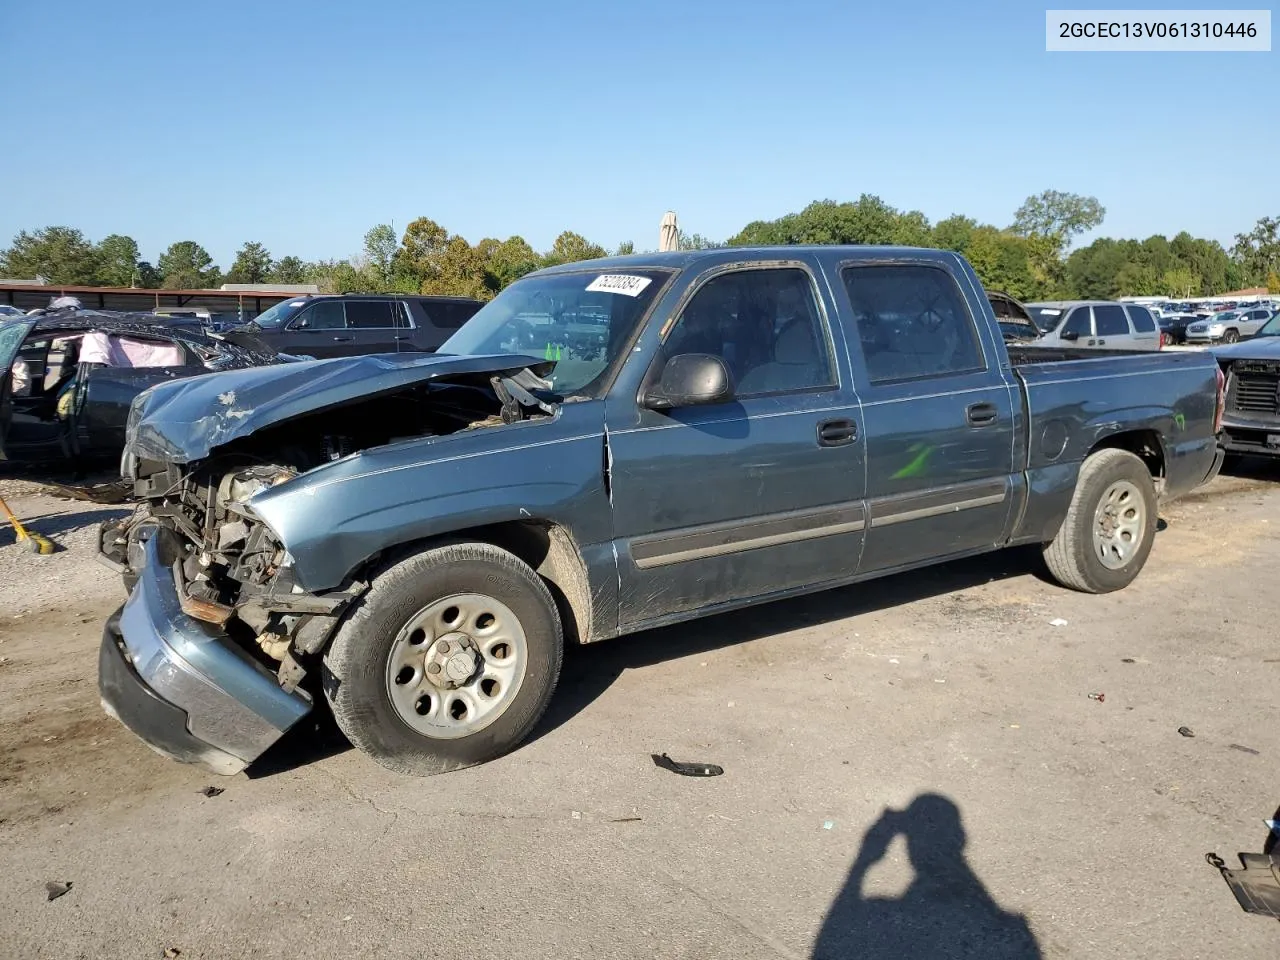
point(354, 324)
point(416, 538)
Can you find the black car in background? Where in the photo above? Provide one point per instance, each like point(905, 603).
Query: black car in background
point(1173, 326)
point(354, 324)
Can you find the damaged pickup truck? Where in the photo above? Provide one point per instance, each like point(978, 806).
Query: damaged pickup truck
point(416, 537)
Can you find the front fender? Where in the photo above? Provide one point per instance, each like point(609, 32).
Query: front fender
point(334, 518)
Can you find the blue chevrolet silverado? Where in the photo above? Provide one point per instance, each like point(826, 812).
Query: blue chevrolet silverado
point(607, 446)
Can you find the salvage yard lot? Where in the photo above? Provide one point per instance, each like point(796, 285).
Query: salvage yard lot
point(1090, 818)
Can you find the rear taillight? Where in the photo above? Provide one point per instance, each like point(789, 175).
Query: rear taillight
point(1221, 406)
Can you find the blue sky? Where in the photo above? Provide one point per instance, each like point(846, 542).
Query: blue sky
point(303, 124)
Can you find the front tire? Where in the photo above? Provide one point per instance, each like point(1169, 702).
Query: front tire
point(1106, 537)
point(449, 659)
point(1231, 336)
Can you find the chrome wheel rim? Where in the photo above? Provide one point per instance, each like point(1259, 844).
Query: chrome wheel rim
point(456, 666)
point(1119, 524)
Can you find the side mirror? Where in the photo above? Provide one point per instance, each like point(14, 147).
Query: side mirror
point(1070, 335)
point(691, 380)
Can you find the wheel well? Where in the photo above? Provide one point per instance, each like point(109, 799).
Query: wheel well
point(552, 553)
point(1144, 444)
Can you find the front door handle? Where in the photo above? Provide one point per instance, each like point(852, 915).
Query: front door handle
point(836, 433)
point(343, 339)
point(981, 414)
point(404, 338)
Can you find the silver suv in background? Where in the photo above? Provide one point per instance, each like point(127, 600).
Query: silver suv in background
point(1095, 324)
point(1229, 326)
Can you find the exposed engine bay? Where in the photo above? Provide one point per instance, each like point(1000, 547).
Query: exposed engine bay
point(230, 569)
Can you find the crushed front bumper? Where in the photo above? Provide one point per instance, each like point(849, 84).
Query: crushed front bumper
point(184, 686)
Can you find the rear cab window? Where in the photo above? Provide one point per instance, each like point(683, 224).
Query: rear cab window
point(912, 322)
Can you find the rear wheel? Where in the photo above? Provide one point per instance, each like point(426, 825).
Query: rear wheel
point(449, 660)
point(1106, 537)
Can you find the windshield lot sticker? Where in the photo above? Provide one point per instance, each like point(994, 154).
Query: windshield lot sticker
point(618, 283)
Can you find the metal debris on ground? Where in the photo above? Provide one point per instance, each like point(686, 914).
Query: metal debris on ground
point(1186, 731)
point(686, 769)
point(626, 819)
point(1128, 660)
point(1243, 749)
point(213, 791)
point(1100, 697)
point(56, 889)
point(1256, 884)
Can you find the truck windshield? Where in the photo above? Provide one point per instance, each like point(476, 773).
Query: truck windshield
point(583, 321)
point(1271, 328)
point(276, 317)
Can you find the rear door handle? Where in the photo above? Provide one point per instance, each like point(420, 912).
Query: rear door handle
point(343, 339)
point(837, 433)
point(981, 414)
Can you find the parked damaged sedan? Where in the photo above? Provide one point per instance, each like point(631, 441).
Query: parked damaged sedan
point(69, 377)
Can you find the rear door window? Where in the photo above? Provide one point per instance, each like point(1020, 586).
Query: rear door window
point(1142, 320)
point(370, 315)
point(912, 322)
point(1109, 321)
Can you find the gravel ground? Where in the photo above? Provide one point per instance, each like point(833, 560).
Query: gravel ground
point(913, 768)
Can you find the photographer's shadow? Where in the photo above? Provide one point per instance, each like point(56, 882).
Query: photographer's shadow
point(946, 912)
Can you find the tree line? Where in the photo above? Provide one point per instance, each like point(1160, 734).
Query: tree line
point(1029, 259)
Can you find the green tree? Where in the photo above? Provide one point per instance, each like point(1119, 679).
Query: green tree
point(252, 264)
point(149, 277)
point(1058, 216)
point(380, 249)
point(59, 254)
point(694, 241)
point(1137, 279)
point(625, 248)
point(953, 233)
point(571, 247)
point(1091, 271)
point(460, 272)
point(508, 262)
point(912, 229)
point(118, 262)
point(187, 266)
point(417, 261)
point(1002, 262)
point(1258, 252)
point(1273, 282)
point(288, 270)
point(1179, 282)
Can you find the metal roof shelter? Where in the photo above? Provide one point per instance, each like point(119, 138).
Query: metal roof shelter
point(247, 304)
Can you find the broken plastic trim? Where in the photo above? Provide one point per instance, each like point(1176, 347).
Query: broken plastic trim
point(685, 768)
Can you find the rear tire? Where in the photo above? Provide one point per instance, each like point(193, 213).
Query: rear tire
point(449, 659)
point(1106, 537)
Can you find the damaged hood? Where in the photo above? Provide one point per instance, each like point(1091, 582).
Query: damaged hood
point(1259, 348)
point(185, 420)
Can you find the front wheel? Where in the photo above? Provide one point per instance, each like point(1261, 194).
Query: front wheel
point(1231, 336)
point(449, 660)
point(1106, 537)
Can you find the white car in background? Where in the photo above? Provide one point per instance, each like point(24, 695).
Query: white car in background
point(1229, 326)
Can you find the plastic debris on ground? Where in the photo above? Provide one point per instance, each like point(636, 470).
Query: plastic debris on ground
point(1186, 731)
point(686, 769)
point(55, 889)
point(213, 791)
point(1057, 622)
